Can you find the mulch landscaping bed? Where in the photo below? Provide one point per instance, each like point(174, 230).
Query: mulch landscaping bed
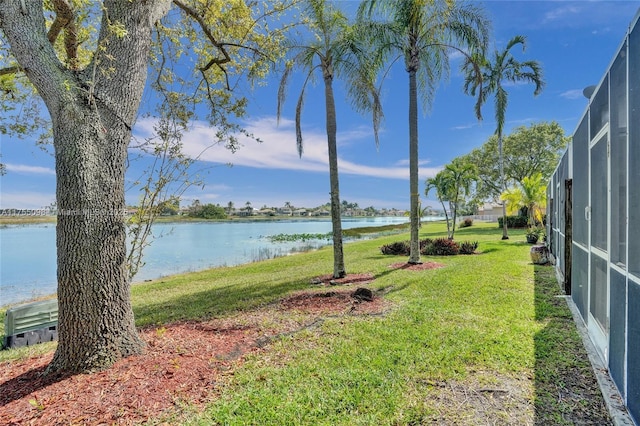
point(183, 365)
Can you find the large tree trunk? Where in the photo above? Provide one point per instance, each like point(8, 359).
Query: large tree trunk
point(96, 325)
point(414, 250)
point(92, 112)
point(338, 255)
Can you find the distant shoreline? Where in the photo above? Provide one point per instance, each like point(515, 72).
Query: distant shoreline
point(28, 220)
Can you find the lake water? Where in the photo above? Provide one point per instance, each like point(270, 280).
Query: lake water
point(28, 252)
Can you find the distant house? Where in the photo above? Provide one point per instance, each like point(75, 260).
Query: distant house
point(490, 209)
point(266, 212)
point(243, 212)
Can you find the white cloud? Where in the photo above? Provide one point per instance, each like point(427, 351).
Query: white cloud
point(561, 13)
point(278, 149)
point(26, 200)
point(572, 94)
point(465, 126)
point(26, 169)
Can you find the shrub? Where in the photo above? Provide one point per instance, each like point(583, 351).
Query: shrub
point(397, 248)
point(514, 221)
point(467, 222)
point(441, 247)
point(424, 243)
point(468, 247)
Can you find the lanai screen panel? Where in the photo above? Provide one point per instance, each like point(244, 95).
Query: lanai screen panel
point(618, 130)
point(561, 198)
point(599, 222)
point(599, 108)
point(580, 281)
point(580, 148)
point(634, 152)
point(617, 340)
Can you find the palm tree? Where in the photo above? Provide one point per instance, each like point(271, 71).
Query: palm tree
point(531, 194)
point(290, 207)
point(460, 177)
point(440, 183)
point(229, 208)
point(494, 75)
point(423, 33)
point(334, 48)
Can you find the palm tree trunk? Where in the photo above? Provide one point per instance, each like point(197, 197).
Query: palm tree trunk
point(414, 251)
point(455, 217)
point(505, 235)
point(338, 256)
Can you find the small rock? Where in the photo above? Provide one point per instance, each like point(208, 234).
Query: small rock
point(362, 293)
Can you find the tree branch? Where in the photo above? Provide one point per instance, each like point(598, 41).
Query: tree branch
point(65, 20)
point(9, 70)
point(205, 29)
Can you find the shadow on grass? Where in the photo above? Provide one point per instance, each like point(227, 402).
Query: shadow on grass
point(213, 302)
point(566, 390)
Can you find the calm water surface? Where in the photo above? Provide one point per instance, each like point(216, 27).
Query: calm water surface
point(28, 252)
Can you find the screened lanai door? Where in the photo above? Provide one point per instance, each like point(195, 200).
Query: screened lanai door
point(598, 322)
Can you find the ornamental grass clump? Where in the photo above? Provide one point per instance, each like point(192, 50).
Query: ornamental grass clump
point(467, 222)
point(397, 248)
point(468, 247)
point(429, 247)
point(441, 247)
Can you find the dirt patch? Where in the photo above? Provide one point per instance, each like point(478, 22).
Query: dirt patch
point(482, 399)
point(416, 267)
point(332, 302)
point(184, 365)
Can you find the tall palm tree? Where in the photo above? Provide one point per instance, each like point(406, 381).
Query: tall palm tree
point(504, 68)
point(423, 33)
point(333, 48)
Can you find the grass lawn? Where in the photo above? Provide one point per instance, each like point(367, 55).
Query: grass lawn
point(483, 340)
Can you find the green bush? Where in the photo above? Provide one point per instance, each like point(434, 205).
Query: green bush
point(425, 242)
point(468, 247)
point(467, 222)
point(514, 221)
point(429, 247)
point(397, 248)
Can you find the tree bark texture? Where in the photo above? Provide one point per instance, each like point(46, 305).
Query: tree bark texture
point(336, 223)
point(92, 112)
point(414, 250)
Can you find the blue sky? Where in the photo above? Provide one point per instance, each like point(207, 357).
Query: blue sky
point(574, 41)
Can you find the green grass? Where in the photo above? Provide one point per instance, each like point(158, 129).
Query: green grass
point(477, 313)
point(481, 316)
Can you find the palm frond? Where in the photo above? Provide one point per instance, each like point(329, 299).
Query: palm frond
point(282, 90)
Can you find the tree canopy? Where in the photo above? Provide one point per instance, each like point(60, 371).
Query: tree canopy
point(527, 151)
point(87, 64)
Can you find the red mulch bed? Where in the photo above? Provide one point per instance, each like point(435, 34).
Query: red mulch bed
point(184, 363)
